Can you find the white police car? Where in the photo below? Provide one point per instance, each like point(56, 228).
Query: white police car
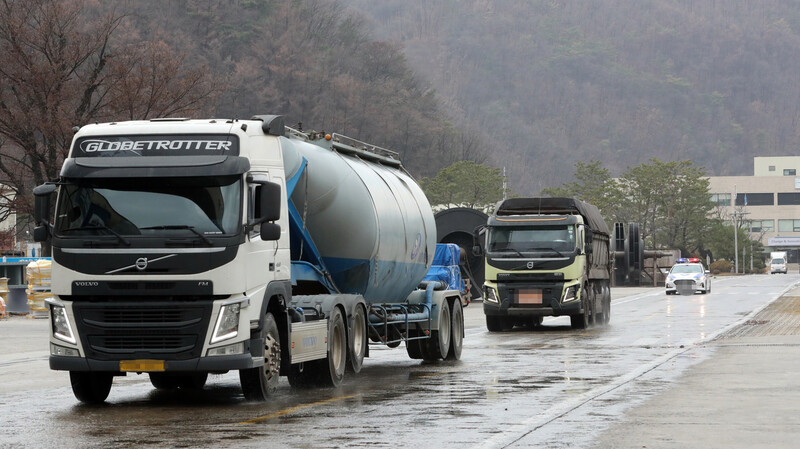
point(688, 276)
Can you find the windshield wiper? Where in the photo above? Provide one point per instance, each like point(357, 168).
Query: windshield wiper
point(100, 228)
point(509, 249)
point(546, 249)
point(180, 227)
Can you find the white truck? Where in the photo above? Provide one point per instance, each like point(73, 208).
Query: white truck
point(187, 247)
point(777, 262)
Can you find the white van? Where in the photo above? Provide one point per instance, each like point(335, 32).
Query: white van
point(777, 265)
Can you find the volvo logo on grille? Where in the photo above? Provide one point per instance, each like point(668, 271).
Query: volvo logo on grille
point(140, 264)
point(530, 265)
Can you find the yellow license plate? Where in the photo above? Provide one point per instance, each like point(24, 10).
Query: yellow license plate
point(141, 365)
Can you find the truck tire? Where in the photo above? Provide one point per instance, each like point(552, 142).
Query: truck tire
point(496, 323)
point(414, 347)
point(262, 381)
point(438, 345)
point(581, 320)
point(337, 351)
point(456, 331)
point(606, 307)
point(357, 344)
point(90, 387)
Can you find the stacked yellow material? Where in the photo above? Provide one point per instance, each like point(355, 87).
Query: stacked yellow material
point(3, 297)
point(39, 280)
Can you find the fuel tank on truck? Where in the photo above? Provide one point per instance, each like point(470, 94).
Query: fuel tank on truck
point(371, 222)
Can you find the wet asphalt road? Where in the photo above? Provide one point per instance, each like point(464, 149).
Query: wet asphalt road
point(549, 387)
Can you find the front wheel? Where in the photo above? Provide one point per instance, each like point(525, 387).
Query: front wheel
point(581, 320)
point(494, 323)
point(499, 323)
point(262, 381)
point(89, 387)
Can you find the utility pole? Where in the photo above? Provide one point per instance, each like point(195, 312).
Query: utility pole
point(735, 235)
point(736, 219)
point(505, 185)
point(735, 243)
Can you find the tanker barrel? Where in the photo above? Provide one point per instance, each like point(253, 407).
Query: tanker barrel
point(370, 221)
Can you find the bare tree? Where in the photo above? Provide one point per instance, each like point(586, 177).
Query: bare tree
point(60, 67)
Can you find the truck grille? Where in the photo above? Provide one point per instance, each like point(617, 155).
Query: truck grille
point(160, 330)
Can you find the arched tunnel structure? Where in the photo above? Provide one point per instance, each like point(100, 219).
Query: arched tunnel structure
point(456, 226)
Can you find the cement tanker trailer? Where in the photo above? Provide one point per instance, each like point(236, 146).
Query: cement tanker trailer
point(187, 247)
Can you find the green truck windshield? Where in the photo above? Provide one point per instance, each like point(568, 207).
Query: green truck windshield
point(532, 238)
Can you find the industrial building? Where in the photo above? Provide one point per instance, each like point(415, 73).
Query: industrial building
point(767, 203)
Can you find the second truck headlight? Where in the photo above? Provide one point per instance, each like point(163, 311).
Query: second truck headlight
point(571, 294)
point(490, 294)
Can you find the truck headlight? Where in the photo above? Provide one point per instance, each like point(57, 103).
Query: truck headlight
point(62, 330)
point(227, 323)
point(571, 294)
point(490, 294)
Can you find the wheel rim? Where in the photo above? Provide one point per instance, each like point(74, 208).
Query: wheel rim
point(457, 328)
point(272, 357)
point(358, 333)
point(444, 331)
point(336, 347)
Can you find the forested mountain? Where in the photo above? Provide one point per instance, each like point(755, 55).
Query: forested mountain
point(312, 61)
point(529, 85)
point(550, 82)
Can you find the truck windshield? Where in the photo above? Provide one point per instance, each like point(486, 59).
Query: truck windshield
point(555, 238)
point(193, 207)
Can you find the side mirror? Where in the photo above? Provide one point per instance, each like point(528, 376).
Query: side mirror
point(477, 251)
point(41, 207)
point(270, 231)
point(270, 204)
point(40, 234)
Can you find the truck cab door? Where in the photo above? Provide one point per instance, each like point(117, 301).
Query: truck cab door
point(267, 226)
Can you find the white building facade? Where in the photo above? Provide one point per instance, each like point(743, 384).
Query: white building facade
point(768, 203)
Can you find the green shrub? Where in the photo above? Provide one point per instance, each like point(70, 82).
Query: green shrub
point(720, 266)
